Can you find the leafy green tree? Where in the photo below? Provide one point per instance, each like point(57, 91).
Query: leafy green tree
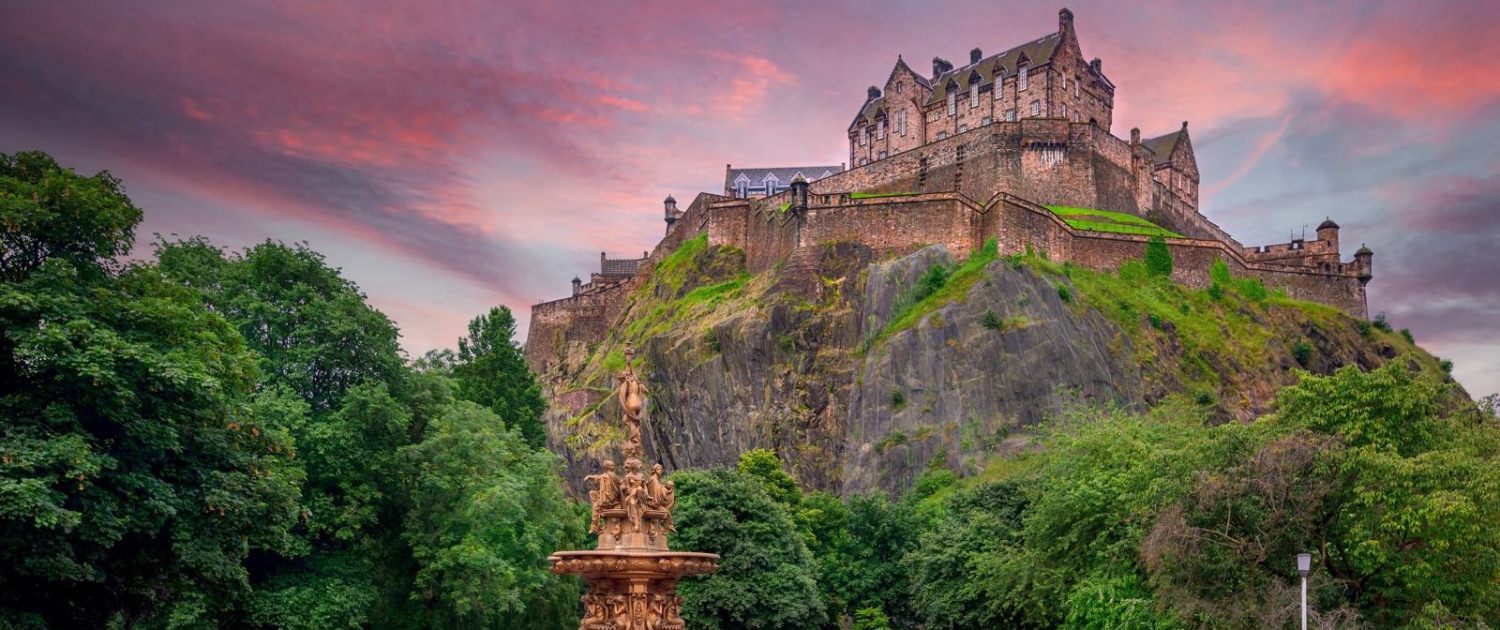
point(765, 579)
point(491, 370)
point(487, 511)
point(1158, 257)
point(859, 545)
point(311, 327)
point(763, 465)
point(871, 619)
point(951, 587)
point(138, 466)
point(51, 213)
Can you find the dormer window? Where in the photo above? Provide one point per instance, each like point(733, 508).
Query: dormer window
point(1021, 80)
point(880, 130)
point(864, 136)
point(742, 189)
point(771, 184)
point(952, 103)
point(973, 96)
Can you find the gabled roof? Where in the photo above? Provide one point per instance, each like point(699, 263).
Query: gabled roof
point(1163, 146)
point(900, 65)
point(617, 267)
point(1036, 52)
point(783, 174)
point(868, 112)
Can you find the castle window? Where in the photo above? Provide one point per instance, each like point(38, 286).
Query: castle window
point(864, 161)
point(963, 128)
point(1065, 82)
point(987, 120)
point(974, 96)
point(864, 136)
point(1010, 115)
point(880, 130)
point(942, 135)
point(1036, 108)
point(882, 155)
point(999, 84)
point(1064, 109)
point(1076, 81)
point(742, 189)
point(1022, 82)
point(952, 103)
point(900, 87)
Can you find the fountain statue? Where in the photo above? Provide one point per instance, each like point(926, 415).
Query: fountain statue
point(632, 575)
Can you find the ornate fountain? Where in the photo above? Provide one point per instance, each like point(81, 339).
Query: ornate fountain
point(632, 576)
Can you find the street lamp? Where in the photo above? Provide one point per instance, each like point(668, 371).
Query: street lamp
point(1304, 564)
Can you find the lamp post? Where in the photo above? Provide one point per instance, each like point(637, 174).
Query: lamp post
point(1304, 564)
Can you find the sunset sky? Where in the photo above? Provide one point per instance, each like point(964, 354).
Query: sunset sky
point(451, 156)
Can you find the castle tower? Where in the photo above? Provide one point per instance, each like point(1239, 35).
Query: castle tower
point(799, 195)
point(1365, 259)
point(1329, 231)
point(577, 285)
point(669, 208)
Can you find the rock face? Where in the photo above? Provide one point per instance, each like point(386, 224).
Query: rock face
point(826, 360)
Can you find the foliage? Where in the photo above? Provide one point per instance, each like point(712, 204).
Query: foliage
point(763, 465)
point(139, 466)
point(991, 320)
point(491, 370)
point(858, 544)
point(871, 619)
point(1302, 352)
point(1106, 221)
point(1381, 322)
point(51, 213)
point(310, 326)
point(938, 287)
point(486, 512)
point(766, 577)
point(952, 582)
point(1158, 258)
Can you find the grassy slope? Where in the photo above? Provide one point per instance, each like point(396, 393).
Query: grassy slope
point(1106, 221)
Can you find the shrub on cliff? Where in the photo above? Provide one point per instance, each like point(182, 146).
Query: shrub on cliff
point(1158, 257)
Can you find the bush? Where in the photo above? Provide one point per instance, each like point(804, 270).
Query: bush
point(991, 320)
point(1406, 334)
point(1216, 291)
point(1158, 258)
point(1381, 323)
point(930, 282)
point(1302, 352)
point(1447, 367)
point(1365, 328)
point(898, 399)
point(1063, 293)
point(1253, 290)
point(1219, 272)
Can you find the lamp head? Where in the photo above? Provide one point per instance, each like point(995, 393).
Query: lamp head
point(1304, 563)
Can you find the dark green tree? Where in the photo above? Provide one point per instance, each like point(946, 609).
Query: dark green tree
point(491, 370)
point(1158, 258)
point(138, 466)
point(949, 587)
point(487, 510)
point(311, 327)
point(766, 579)
point(764, 465)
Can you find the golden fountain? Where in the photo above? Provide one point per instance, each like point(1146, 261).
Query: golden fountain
point(632, 575)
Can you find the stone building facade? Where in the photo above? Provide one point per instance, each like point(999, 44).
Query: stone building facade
point(940, 159)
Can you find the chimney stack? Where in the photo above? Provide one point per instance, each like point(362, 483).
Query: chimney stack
point(1064, 21)
point(939, 66)
point(872, 94)
point(975, 55)
point(1135, 136)
point(1097, 65)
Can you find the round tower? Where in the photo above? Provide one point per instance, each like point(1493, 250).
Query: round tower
point(577, 285)
point(670, 209)
point(1329, 231)
point(1364, 258)
point(799, 194)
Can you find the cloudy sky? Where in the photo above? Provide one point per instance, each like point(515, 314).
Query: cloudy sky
point(454, 155)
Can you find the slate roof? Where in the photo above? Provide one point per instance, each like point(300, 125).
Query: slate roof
point(1037, 52)
point(868, 112)
point(784, 174)
point(620, 267)
point(1162, 146)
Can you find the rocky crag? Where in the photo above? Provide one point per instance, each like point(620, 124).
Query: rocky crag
point(863, 372)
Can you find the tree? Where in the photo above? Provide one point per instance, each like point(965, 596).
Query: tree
point(765, 466)
point(949, 588)
point(491, 370)
point(487, 510)
point(311, 327)
point(138, 465)
point(765, 579)
point(1158, 258)
point(859, 545)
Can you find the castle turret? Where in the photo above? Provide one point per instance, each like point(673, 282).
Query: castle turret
point(1329, 231)
point(577, 285)
point(1364, 257)
point(671, 211)
point(799, 195)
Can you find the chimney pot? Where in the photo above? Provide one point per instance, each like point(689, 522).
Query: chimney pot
point(975, 55)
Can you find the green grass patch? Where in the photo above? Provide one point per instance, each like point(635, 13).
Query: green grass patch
point(1106, 221)
point(937, 288)
point(868, 195)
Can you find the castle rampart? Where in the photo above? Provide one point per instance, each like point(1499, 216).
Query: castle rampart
point(928, 189)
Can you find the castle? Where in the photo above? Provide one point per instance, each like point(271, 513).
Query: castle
point(1014, 146)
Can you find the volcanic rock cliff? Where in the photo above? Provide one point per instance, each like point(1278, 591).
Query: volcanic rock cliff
point(862, 372)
